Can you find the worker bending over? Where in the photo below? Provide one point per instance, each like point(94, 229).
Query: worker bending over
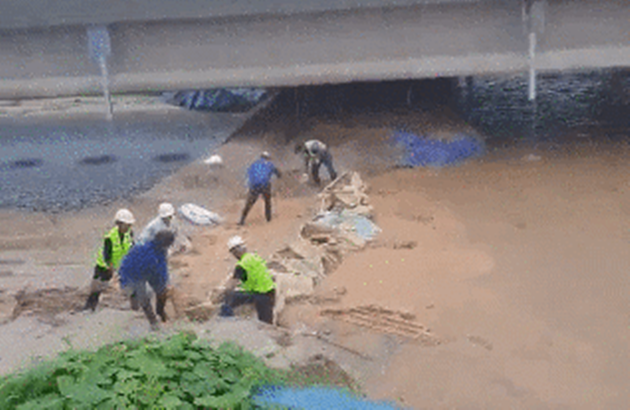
point(256, 283)
point(146, 264)
point(316, 154)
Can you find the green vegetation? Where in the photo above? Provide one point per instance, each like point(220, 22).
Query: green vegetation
point(181, 372)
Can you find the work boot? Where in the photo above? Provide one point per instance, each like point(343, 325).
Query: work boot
point(226, 311)
point(159, 305)
point(92, 301)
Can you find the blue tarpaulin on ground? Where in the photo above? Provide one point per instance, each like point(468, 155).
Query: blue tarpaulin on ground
point(424, 151)
point(316, 398)
point(361, 225)
point(219, 99)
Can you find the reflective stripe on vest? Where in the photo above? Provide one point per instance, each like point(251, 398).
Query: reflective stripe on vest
point(258, 278)
point(119, 248)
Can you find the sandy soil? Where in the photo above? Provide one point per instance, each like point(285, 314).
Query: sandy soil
point(501, 283)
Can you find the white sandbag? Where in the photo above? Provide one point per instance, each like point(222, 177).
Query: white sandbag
point(199, 215)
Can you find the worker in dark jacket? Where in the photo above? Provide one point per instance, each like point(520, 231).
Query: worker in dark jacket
point(116, 244)
point(259, 180)
point(316, 154)
point(146, 264)
point(256, 283)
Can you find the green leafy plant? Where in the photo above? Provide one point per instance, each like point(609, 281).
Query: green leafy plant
point(181, 372)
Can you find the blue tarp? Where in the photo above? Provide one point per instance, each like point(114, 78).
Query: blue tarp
point(423, 151)
point(360, 224)
point(316, 398)
point(218, 100)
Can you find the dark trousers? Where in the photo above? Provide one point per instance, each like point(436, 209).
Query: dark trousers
point(326, 160)
point(252, 197)
point(140, 298)
point(100, 280)
point(263, 302)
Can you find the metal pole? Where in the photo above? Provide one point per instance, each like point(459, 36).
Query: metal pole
point(105, 79)
point(532, 67)
point(99, 48)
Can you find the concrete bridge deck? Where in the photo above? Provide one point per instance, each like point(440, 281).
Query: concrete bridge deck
point(156, 46)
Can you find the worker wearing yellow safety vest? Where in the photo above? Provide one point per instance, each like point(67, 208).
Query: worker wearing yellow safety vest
point(116, 244)
point(257, 284)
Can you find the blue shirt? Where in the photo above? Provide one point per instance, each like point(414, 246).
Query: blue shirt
point(260, 172)
point(145, 263)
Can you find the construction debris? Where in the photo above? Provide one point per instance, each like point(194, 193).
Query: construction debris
point(200, 312)
point(346, 192)
point(291, 286)
point(386, 321)
point(342, 226)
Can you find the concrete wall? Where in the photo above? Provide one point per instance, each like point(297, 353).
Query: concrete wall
point(414, 41)
point(46, 13)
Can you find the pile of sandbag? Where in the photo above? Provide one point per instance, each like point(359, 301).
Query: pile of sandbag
point(342, 225)
point(347, 192)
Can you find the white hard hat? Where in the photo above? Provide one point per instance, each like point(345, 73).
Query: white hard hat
point(125, 216)
point(165, 210)
point(265, 154)
point(234, 242)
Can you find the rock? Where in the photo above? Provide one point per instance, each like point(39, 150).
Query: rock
point(294, 285)
point(291, 286)
point(214, 160)
point(346, 192)
point(311, 229)
point(365, 210)
point(311, 268)
point(7, 306)
point(405, 244)
point(201, 312)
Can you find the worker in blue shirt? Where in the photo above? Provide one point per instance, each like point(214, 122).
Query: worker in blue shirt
point(144, 264)
point(259, 180)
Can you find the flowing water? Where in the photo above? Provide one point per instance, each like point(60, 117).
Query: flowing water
point(573, 103)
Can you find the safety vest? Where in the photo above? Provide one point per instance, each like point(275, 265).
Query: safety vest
point(119, 248)
point(258, 278)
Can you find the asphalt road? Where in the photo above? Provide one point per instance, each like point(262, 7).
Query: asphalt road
point(60, 167)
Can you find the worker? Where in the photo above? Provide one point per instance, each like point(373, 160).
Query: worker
point(256, 283)
point(116, 244)
point(165, 221)
point(259, 180)
point(166, 213)
point(315, 154)
point(146, 264)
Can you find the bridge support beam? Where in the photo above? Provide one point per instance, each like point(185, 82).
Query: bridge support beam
point(371, 44)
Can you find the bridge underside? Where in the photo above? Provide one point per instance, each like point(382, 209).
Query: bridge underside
point(419, 41)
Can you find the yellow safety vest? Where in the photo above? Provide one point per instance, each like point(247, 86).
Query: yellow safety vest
point(258, 278)
point(119, 248)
